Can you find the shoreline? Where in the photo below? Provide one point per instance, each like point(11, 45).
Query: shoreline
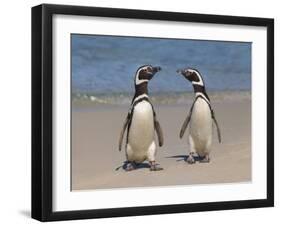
point(160, 99)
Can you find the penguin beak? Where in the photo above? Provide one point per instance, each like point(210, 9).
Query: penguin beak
point(156, 69)
point(180, 71)
point(184, 72)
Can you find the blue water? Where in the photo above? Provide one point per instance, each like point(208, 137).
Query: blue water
point(107, 64)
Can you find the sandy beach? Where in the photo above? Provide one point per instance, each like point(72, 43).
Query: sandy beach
point(95, 155)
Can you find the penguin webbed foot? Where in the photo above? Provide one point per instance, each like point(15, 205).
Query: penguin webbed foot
point(190, 159)
point(154, 166)
point(130, 166)
point(205, 159)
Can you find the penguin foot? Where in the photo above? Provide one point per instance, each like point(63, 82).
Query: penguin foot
point(130, 166)
point(190, 159)
point(205, 159)
point(155, 167)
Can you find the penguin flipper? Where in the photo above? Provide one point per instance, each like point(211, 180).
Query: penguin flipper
point(185, 124)
point(123, 131)
point(159, 132)
point(217, 125)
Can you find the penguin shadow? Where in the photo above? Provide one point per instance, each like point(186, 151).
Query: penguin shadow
point(137, 166)
point(185, 157)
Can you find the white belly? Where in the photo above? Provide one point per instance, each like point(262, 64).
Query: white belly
point(141, 132)
point(201, 125)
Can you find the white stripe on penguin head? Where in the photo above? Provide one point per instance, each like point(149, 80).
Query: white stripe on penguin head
point(200, 82)
point(137, 80)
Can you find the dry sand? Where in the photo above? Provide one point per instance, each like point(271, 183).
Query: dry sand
point(95, 155)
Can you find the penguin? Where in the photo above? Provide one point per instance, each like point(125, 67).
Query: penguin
point(141, 122)
point(201, 117)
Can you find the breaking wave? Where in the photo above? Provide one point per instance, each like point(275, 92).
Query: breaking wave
point(158, 98)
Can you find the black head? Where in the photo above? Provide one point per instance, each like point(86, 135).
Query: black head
point(192, 75)
point(145, 73)
point(196, 79)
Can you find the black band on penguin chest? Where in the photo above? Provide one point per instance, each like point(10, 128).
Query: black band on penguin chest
point(140, 100)
point(200, 89)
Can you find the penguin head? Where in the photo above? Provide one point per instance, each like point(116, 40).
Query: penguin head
point(145, 73)
point(192, 75)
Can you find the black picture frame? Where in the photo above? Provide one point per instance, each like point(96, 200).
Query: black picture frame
point(42, 111)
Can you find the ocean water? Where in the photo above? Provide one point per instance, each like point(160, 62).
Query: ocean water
point(103, 67)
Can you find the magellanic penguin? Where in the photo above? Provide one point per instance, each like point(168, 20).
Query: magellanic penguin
point(141, 124)
point(201, 117)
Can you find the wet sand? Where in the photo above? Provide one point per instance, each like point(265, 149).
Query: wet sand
point(95, 155)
